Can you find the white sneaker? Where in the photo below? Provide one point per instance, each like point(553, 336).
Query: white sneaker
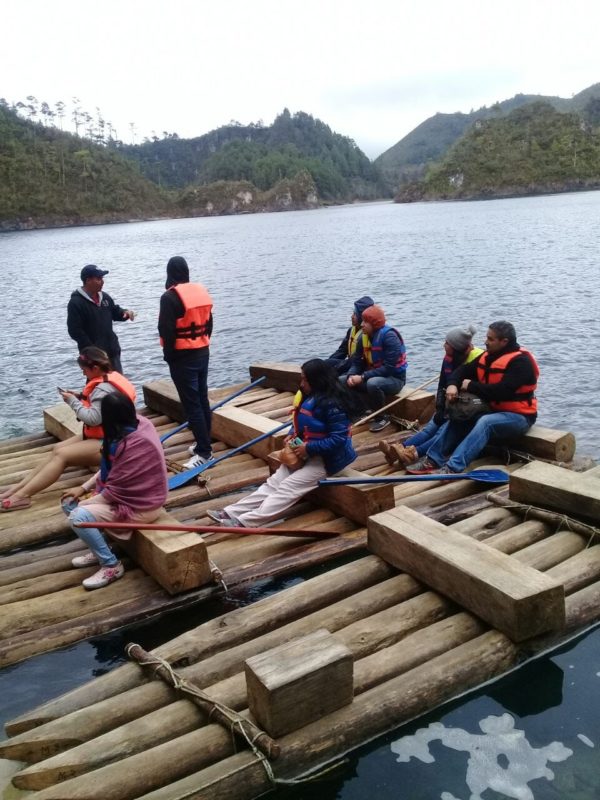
point(196, 461)
point(88, 560)
point(192, 451)
point(104, 576)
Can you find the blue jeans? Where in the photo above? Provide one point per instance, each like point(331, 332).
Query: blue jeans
point(459, 443)
point(92, 537)
point(424, 439)
point(190, 376)
point(377, 389)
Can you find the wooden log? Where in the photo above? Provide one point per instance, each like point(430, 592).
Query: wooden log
point(546, 443)
point(541, 484)
point(357, 503)
point(510, 596)
point(234, 627)
point(579, 570)
point(60, 421)
point(376, 710)
point(518, 537)
point(486, 524)
point(552, 550)
point(215, 486)
point(298, 682)
point(177, 560)
point(41, 530)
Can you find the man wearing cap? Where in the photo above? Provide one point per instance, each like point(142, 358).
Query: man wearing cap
point(342, 358)
point(459, 350)
point(91, 313)
point(379, 368)
point(185, 326)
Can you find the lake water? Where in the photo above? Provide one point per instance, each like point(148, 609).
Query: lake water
point(283, 286)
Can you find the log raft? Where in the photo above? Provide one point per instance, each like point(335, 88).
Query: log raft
point(414, 640)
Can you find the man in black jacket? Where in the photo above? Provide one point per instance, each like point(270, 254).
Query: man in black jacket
point(91, 313)
point(505, 377)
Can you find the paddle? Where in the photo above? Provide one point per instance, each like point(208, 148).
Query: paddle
point(157, 526)
point(181, 478)
point(217, 405)
point(482, 475)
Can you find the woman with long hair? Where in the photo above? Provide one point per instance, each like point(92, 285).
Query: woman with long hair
point(82, 450)
point(130, 485)
point(321, 442)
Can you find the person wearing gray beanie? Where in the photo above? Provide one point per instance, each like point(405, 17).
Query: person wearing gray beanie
point(459, 350)
point(460, 338)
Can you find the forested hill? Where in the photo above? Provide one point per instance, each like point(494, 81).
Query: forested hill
point(262, 155)
point(533, 150)
point(409, 158)
point(48, 177)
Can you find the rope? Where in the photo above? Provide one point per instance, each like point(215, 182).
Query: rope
point(235, 720)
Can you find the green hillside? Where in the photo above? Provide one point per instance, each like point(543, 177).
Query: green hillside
point(262, 155)
point(534, 149)
point(52, 178)
point(409, 158)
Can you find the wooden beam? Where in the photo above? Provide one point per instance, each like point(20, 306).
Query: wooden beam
point(549, 486)
point(299, 682)
point(357, 503)
point(282, 376)
point(234, 426)
point(546, 443)
point(518, 600)
point(60, 421)
point(177, 560)
point(161, 396)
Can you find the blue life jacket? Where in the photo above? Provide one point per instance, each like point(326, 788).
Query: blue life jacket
point(325, 430)
point(375, 353)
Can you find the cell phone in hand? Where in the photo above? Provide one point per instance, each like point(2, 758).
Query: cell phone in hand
point(61, 390)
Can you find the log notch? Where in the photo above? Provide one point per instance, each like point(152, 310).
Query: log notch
point(60, 421)
point(512, 597)
point(299, 682)
point(177, 560)
point(358, 503)
point(549, 486)
point(234, 426)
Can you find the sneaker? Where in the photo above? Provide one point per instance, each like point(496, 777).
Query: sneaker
point(379, 423)
point(195, 461)
point(192, 450)
point(104, 576)
point(220, 517)
point(88, 560)
point(445, 470)
point(424, 466)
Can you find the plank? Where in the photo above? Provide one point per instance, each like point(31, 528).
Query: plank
point(177, 560)
point(357, 503)
point(547, 443)
point(235, 426)
point(516, 599)
point(549, 486)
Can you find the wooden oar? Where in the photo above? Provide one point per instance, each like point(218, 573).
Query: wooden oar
point(482, 475)
point(148, 526)
point(217, 405)
point(181, 478)
point(392, 403)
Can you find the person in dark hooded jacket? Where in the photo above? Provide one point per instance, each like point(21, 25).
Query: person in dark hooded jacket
point(342, 358)
point(185, 325)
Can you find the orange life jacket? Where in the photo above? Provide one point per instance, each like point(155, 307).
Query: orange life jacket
point(190, 330)
point(524, 401)
point(117, 380)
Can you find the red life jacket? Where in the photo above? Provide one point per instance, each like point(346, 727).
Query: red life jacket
point(190, 330)
point(117, 380)
point(524, 401)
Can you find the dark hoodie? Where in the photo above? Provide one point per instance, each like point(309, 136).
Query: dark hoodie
point(340, 357)
point(171, 309)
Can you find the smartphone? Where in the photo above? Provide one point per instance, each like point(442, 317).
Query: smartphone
point(61, 390)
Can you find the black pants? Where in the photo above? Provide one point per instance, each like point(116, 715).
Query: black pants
point(190, 374)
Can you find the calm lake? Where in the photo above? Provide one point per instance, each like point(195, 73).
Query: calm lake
point(284, 286)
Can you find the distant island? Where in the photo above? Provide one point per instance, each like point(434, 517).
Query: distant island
point(49, 177)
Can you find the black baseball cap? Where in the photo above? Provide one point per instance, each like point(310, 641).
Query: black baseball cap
point(92, 271)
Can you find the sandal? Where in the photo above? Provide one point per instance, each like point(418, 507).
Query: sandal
point(15, 504)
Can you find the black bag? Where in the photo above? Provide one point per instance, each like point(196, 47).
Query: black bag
point(466, 408)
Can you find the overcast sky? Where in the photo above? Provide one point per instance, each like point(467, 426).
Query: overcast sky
point(371, 70)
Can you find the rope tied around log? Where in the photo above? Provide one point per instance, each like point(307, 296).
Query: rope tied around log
point(260, 743)
point(542, 514)
point(217, 575)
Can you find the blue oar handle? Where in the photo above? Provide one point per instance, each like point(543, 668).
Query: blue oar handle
point(180, 478)
point(483, 475)
point(214, 408)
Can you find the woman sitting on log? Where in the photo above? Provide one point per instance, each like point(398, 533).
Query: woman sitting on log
point(130, 485)
point(320, 445)
point(82, 450)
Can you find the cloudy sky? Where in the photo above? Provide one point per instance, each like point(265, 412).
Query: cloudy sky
point(372, 70)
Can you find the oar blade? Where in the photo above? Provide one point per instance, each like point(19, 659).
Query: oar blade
point(488, 475)
point(181, 478)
